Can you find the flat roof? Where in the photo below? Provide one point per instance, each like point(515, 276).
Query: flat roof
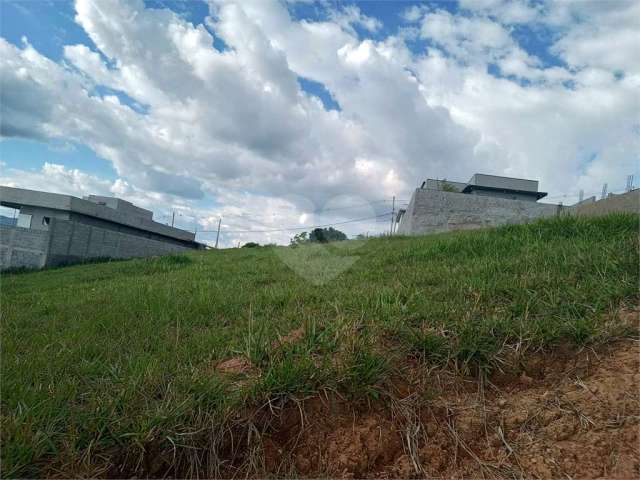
point(18, 197)
point(502, 176)
point(437, 184)
point(497, 181)
point(470, 188)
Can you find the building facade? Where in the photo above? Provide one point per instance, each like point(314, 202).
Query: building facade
point(53, 229)
point(483, 201)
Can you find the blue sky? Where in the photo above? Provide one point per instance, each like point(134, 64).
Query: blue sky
point(209, 109)
point(49, 26)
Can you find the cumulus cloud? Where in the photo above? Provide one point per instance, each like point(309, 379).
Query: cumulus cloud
point(57, 179)
point(238, 117)
point(507, 11)
point(466, 37)
point(230, 131)
point(605, 38)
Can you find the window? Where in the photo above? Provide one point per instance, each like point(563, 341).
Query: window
point(24, 220)
point(46, 221)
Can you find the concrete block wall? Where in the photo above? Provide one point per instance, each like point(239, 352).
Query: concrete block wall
point(432, 211)
point(73, 242)
point(18, 197)
point(22, 247)
point(624, 202)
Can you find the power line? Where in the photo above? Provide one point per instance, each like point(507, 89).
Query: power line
point(246, 217)
point(348, 207)
point(402, 203)
point(584, 194)
point(300, 228)
point(319, 211)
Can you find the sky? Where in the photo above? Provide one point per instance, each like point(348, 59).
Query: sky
point(276, 116)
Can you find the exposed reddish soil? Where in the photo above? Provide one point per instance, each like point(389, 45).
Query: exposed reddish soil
point(568, 415)
point(242, 365)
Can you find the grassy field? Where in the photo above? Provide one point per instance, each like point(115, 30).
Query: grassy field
point(107, 363)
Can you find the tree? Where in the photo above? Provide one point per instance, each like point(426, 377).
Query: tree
point(318, 235)
point(299, 239)
point(251, 245)
point(326, 235)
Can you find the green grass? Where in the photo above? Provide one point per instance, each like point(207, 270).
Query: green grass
point(107, 363)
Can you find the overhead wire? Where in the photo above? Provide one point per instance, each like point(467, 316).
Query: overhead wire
point(399, 203)
point(289, 229)
point(319, 211)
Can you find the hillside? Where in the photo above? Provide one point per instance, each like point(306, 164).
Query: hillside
point(296, 361)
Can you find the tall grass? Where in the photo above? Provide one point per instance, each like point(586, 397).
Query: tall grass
point(115, 363)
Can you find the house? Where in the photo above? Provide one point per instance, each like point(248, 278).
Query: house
point(483, 201)
point(53, 229)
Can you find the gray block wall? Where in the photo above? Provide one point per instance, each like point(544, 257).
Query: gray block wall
point(432, 211)
point(507, 195)
point(22, 247)
point(72, 242)
point(626, 202)
point(18, 197)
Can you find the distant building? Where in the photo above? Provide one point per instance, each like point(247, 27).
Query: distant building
point(491, 186)
point(483, 201)
point(54, 229)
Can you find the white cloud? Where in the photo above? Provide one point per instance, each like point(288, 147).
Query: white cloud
point(351, 15)
point(412, 13)
point(468, 38)
point(507, 11)
point(57, 179)
point(608, 39)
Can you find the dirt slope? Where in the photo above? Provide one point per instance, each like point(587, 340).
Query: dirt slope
point(567, 415)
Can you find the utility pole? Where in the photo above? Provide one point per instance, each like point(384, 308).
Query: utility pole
point(173, 217)
point(393, 214)
point(218, 234)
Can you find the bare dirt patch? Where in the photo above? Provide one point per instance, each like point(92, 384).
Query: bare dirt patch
point(235, 365)
point(573, 414)
point(292, 337)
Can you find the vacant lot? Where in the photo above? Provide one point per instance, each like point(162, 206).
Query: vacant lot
point(209, 363)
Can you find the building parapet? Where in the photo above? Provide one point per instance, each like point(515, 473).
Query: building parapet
point(131, 217)
point(490, 185)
